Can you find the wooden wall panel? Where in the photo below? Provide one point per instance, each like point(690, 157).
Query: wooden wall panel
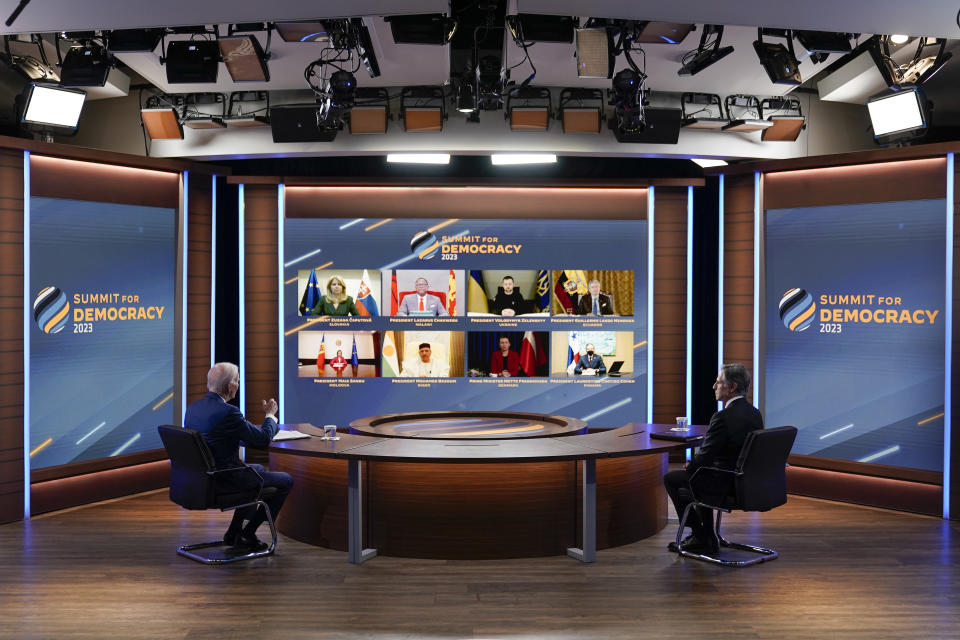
point(11, 338)
point(261, 329)
point(738, 220)
point(669, 304)
point(199, 273)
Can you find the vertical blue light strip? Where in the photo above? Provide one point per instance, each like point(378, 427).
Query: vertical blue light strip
point(27, 308)
point(650, 251)
point(185, 251)
point(241, 276)
point(757, 219)
point(948, 343)
point(281, 305)
point(720, 280)
point(213, 272)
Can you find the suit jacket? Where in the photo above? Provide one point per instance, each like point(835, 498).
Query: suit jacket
point(513, 362)
point(325, 308)
point(585, 305)
point(724, 439)
point(224, 428)
point(586, 362)
point(431, 304)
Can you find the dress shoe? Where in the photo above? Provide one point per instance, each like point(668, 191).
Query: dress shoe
point(694, 544)
point(250, 542)
point(230, 538)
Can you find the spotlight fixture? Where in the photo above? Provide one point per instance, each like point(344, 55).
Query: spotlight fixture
point(86, 65)
point(787, 119)
point(466, 102)
point(48, 107)
point(533, 27)
point(422, 108)
point(749, 114)
point(533, 112)
point(898, 115)
point(628, 100)
point(161, 118)
point(133, 40)
point(594, 57)
point(430, 28)
point(248, 118)
point(490, 79)
point(780, 62)
point(702, 111)
point(820, 44)
point(303, 31)
point(370, 111)
point(192, 61)
point(660, 126)
point(931, 55)
point(302, 123)
point(898, 39)
point(708, 53)
point(243, 56)
point(204, 111)
point(580, 110)
point(365, 48)
point(662, 32)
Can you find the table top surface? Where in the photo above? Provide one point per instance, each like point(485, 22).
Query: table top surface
point(468, 425)
point(629, 440)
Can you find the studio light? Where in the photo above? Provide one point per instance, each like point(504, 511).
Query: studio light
point(533, 27)
point(303, 31)
point(628, 100)
point(47, 106)
point(500, 159)
point(787, 119)
point(708, 53)
point(594, 58)
point(490, 79)
point(702, 111)
point(430, 28)
point(745, 114)
point(663, 32)
point(422, 109)
point(780, 62)
point(580, 110)
point(133, 40)
point(898, 115)
point(931, 55)
point(238, 117)
point(419, 158)
point(365, 49)
point(86, 66)
point(899, 39)
point(820, 44)
point(302, 123)
point(204, 111)
point(370, 112)
point(465, 99)
point(244, 58)
point(161, 117)
point(192, 61)
point(533, 112)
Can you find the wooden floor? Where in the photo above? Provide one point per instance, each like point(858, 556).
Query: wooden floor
point(110, 571)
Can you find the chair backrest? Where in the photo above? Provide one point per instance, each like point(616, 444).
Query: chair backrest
point(762, 484)
point(191, 486)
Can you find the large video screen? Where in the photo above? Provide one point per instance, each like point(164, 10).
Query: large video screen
point(397, 315)
point(101, 341)
point(855, 330)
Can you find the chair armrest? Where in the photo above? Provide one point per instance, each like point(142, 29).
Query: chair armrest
point(219, 475)
point(710, 482)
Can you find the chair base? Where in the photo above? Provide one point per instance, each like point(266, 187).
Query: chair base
point(763, 554)
point(225, 556)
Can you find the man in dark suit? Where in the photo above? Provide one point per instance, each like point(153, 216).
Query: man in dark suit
point(421, 302)
point(595, 303)
point(590, 363)
point(224, 428)
point(720, 448)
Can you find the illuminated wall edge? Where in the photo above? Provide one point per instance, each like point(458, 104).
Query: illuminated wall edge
point(720, 258)
point(26, 335)
point(213, 271)
point(948, 342)
point(651, 198)
point(241, 275)
point(180, 403)
point(281, 304)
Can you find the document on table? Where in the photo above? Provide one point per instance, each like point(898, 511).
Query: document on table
point(290, 435)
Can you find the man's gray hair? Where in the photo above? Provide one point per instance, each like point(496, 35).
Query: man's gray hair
point(592, 281)
point(220, 375)
point(737, 375)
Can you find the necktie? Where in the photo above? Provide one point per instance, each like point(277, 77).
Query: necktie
point(596, 307)
point(421, 305)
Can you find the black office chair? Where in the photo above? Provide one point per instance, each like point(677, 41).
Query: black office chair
point(758, 484)
point(196, 484)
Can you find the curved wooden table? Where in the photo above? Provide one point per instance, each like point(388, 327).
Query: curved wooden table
point(431, 498)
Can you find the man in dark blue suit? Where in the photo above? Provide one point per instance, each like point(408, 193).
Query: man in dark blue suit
point(590, 363)
point(224, 428)
point(720, 448)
